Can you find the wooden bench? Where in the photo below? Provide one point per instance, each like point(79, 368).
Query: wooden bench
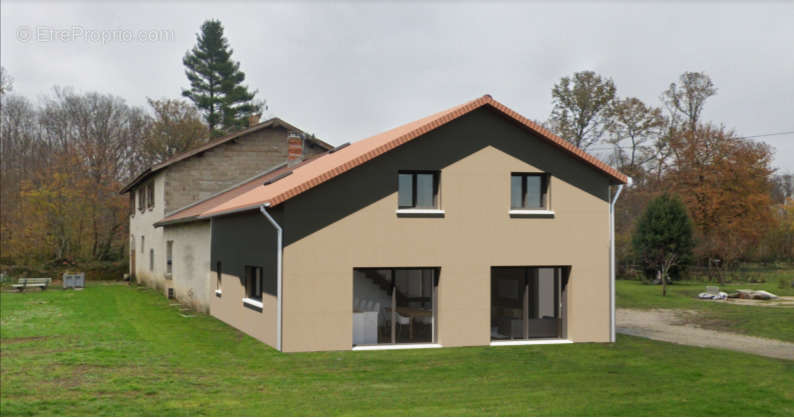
point(40, 282)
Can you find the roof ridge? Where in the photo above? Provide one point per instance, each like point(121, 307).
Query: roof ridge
point(274, 121)
point(330, 165)
point(432, 124)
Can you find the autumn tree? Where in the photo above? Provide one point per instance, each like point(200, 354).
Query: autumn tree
point(105, 132)
point(21, 153)
point(778, 241)
point(176, 127)
point(663, 237)
point(216, 82)
point(581, 108)
point(724, 182)
point(62, 165)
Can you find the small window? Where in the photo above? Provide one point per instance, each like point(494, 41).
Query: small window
point(218, 275)
point(151, 259)
point(169, 249)
point(132, 203)
point(150, 195)
point(528, 191)
point(417, 189)
point(253, 282)
point(143, 240)
point(141, 199)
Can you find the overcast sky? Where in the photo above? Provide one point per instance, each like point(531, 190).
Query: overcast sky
point(345, 71)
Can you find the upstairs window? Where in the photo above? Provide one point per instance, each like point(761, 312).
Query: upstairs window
point(528, 191)
point(132, 204)
point(150, 195)
point(253, 282)
point(141, 199)
point(417, 189)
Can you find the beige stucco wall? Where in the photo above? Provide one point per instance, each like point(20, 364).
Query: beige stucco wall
point(229, 308)
point(351, 222)
point(190, 263)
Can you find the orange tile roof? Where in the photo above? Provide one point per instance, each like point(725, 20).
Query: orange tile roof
point(330, 165)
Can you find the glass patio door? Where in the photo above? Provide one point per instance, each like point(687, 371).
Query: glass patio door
point(526, 302)
point(394, 305)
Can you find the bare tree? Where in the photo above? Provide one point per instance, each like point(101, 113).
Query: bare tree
point(6, 82)
point(782, 187)
point(106, 135)
point(634, 131)
point(20, 153)
point(686, 99)
point(176, 127)
point(581, 108)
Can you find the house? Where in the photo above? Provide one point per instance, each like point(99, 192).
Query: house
point(176, 260)
point(472, 226)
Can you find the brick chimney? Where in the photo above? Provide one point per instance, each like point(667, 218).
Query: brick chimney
point(254, 119)
point(294, 148)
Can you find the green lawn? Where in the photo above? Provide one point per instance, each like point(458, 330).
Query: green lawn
point(114, 350)
point(761, 321)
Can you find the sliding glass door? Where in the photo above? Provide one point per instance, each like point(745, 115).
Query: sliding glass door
point(526, 302)
point(508, 296)
point(544, 303)
point(394, 305)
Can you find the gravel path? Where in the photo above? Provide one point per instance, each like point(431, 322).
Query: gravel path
point(665, 325)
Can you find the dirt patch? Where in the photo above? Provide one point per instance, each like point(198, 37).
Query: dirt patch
point(671, 325)
point(24, 339)
point(784, 301)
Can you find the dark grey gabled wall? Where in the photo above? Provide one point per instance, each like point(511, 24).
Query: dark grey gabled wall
point(239, 240)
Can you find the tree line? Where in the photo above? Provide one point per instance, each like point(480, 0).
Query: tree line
point(65, 157)
point(740, 209)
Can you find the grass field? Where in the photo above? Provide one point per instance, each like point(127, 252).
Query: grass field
point(114, 350)
point(761, 321)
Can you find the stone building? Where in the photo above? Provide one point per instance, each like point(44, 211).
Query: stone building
point(175, 259)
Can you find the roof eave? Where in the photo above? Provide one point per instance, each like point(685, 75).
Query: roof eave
point(177, 221)
point(236, 210)
point(272, 122)
point(139, 178)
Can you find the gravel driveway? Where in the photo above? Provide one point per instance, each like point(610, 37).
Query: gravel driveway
point(665, 325)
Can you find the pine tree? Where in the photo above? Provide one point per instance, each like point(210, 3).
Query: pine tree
point(663, 237)
point(216, 82)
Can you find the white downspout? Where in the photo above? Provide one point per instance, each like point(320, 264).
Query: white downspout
point(279, 233)
point(612, 260)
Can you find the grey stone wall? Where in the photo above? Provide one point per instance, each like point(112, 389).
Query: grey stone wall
point(224, 166)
